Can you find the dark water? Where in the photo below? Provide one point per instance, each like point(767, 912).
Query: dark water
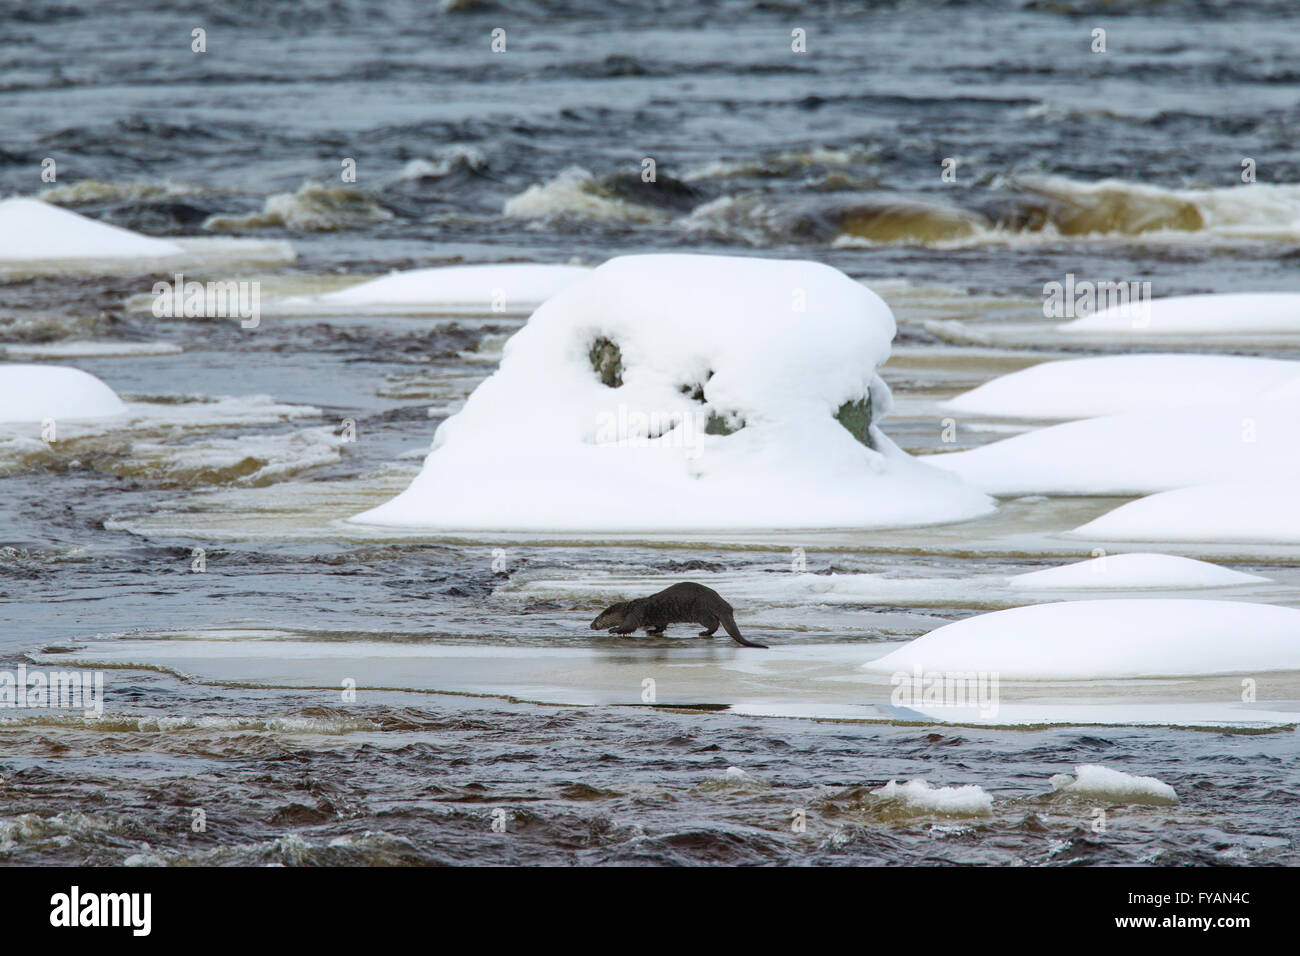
point(833, 155)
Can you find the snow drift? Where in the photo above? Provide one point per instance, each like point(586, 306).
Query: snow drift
point(1132, 637)
point(680, 392)
point(1244, 511)
point(509, 289)
point(1125, 571)
point(31, 230)
point(1215, 314)
point(33, 393)
point(1143, 452)
point(1089, 387)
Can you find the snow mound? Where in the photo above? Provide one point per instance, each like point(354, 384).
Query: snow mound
point(1216, 314)
point(920, 795)
point(681, 392)
point(34, 231)
point(512, 289)
point(1098, 782)
point(1239, 512)
point(1118, 571)
point(33, 393)
point(1141, 452)
point(1089, 387)
point(1134, 637)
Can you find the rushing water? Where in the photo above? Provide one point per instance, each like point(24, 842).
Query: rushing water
point(482, 695)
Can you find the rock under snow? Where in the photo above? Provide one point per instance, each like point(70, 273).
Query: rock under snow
point(684, 393)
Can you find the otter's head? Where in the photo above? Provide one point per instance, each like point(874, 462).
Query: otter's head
point(612, 616)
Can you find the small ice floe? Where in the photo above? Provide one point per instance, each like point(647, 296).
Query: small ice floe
point(1096, 782)
point(1258, 512)
point(1132, 571)
point(920, 796)
point(37, 238)
point(1089, 387)
point(1103, 639)
point(35, 394)
point(1215, 314)
point(1142, 452)
point(679, 393)
point(510, 289)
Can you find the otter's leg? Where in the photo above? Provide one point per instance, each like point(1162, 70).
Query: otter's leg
point(631, 622)
point(710, 624)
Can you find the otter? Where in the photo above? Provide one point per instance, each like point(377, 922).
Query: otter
point(686, 603)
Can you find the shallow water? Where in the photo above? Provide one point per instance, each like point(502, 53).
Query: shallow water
point(480, 687)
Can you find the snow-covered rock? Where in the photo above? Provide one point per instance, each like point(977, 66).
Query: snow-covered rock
point(684, 393)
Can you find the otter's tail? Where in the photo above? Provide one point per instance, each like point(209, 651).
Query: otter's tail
point(729, 625)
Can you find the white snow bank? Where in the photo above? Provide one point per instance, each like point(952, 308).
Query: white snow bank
point(1216, 314)
point(1080, 640)
point(771, 348)
point(33, 393)
point(1089, 387)
point(511, 289)
point(1245, 511)
point(31, 230)
point(920, 795)
point(1098, 782)
point(1132, 571)
point(1141, 452)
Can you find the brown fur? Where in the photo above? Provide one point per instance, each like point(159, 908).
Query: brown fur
point(685, 603)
